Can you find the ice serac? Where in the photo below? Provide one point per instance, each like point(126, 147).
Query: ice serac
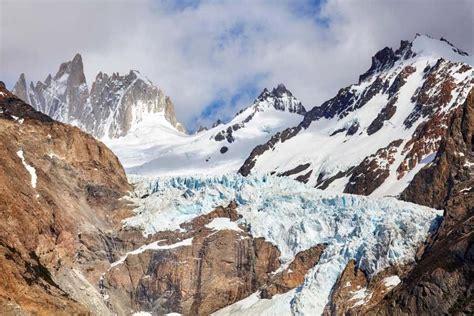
point(374, 136)
point(149, 149)
point(109, 110)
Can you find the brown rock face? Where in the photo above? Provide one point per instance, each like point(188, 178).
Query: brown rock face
point(355, 293)
point(294, 275)
point(373, 170)
point(442, 280)
point(55, 181)
point(213, 269)
point(351, 280)
point(202, 269)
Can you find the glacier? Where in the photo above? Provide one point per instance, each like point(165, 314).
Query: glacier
point(375, 232)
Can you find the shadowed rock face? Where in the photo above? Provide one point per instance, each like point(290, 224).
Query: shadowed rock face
point(442, 279)
point(369, 175)
point(115, 103)
point(355, 293)
point(47, 170)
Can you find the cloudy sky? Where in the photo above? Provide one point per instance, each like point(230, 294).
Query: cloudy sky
point(214, 57)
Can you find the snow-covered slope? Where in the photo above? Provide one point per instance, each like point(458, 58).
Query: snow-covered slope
point(376, 233)
point(113, 106)
point(374, 136)
point(152, 148)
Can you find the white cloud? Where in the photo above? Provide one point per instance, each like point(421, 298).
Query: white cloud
point(209, 50)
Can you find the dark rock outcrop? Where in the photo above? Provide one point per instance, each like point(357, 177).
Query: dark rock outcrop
point(370, 174)
point(442, 280)
point(294, 275)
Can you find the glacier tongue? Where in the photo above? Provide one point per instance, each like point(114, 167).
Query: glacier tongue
point(376, 233)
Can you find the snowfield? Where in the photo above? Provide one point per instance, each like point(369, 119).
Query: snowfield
point(376, 232)
point(154, 147)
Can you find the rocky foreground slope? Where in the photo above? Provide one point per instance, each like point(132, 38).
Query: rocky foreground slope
point(56, 183)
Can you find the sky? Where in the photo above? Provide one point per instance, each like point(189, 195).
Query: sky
point(214, 57)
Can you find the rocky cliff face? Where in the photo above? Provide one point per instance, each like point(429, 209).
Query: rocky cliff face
point(55, 182)
point(112, 107)
point(119, 102)
point(442, 279)
point(201, 269)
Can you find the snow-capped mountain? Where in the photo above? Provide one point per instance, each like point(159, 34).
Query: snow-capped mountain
point(156, 149)
point(374, 136)
point(83, 238)
point(64, 97)
point(109, 110)
point(121, 102)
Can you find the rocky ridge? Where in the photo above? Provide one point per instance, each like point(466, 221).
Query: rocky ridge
point(373, 136)
point(280, 98)
point(108, 110)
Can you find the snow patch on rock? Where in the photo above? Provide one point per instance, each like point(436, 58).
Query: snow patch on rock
point(223, 223)
point(31, 170)
point(152, 246)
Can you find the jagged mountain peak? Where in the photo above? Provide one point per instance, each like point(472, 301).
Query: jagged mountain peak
point(109, 110)
point(74, 67)
point(279, 98)
point(420, 46)
point(278, 91)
